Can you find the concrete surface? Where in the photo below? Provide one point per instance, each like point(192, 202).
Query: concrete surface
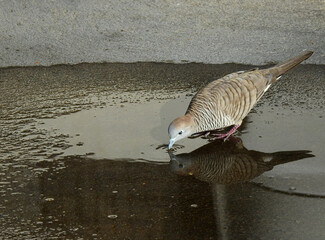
point(41, 32)
point(117, 185)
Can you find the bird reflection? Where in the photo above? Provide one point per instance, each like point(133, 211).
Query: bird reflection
point(229, 162)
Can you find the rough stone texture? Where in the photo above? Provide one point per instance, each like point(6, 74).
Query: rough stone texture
point(45, 196)
point(38, 32)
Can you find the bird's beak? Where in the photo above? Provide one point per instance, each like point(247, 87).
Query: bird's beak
point(171, 143)
point(172, 156)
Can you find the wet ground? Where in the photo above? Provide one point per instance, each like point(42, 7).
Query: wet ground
point(80, 156)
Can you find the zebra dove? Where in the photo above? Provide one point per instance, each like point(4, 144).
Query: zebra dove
point(226, 101)
point(230, 162)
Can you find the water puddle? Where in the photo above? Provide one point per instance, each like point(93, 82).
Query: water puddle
point(134, 129)
point(80, 157)
point(127, 130)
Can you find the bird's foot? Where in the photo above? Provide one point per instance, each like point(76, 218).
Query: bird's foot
point(207, 134)
point(195, 135)
point(200, 134)
point(216, 136)
point(224, 136)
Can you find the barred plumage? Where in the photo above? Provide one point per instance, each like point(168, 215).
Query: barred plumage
point(228, 100)
point(231, 98)
point(230, 162)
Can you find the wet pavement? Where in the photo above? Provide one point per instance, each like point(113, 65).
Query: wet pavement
point(80, 156)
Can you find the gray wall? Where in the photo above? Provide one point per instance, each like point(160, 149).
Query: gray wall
point(43, 32)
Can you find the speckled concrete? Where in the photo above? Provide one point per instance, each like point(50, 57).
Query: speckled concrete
point(41, 32)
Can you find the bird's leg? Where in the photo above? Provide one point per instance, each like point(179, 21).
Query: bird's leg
point(234, 128)
point(225, 135)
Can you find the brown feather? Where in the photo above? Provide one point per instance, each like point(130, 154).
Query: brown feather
point(227, 101)
point(230, 162)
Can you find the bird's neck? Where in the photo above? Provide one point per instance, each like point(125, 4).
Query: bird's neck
point(190, 122)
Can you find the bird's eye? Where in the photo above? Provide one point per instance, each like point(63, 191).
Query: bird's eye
point(180, 133)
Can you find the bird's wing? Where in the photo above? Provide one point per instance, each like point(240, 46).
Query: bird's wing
point(232, 96)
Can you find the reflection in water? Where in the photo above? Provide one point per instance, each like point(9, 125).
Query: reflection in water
point(230, 162)
point(107, 199)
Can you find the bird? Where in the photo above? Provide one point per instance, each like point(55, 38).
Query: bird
point(230, 162)
point(226, 101)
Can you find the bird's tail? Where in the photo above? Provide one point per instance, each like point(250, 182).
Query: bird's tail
point(278, 158)
point(285, 66)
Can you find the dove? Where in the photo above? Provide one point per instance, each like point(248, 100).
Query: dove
point(226, 101)
point(230, 162)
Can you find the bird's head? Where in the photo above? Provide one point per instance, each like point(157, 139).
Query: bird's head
point(180, 128)
point(181, 164)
